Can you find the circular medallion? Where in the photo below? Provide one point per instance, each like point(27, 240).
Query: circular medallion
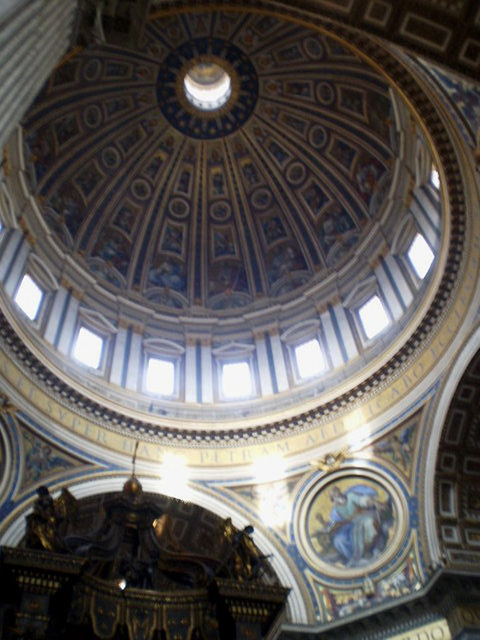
point(179, 208)
point(207, 88)
point(141, 189)
point(351, 523)
point(318, 137)
point(325, 93)
point(92, 70)
point(296, 173)
point(314, 48)
point(220, 211)
point(111, 158)
point(261, 198)
point(92, 116)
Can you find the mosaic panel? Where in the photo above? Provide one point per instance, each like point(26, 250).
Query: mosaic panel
point(350, 523)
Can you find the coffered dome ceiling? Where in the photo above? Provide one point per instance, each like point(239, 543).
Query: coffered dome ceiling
point(285, 180)
point(238, 174)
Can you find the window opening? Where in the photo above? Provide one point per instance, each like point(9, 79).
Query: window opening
point(373, 317)
point(310, 359)
point(88, 348)
point(420, 255)
point(160, 376)
point(236, 380)
point(29, 297)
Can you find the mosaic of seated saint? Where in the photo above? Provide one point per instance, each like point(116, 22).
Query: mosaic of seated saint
point(350, 523)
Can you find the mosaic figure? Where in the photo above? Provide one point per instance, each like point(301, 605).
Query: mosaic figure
point(367, 176)
point(352, 100)
point(227, 277)
point(315, 198)
point(41, 151)
point(218, 182)
point(88, 179)
point(343, 153)
point(223, 244)
point(380, 115)
point(356, 528)
point(167, 272)
point(129, 141)
point(184, 182)
point(283, 261)
point(66, 204)
point(273, 229)
point(125, 219)
point(277, 152)
point(250, 174)
point(114, 249)
point(153, 168)
point(41, 459)
point(172, 240)
point(336, 226)
point(398, 448)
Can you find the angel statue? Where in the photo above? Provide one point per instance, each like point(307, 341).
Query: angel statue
point(241, 557)
point(45, 522)
point(330, 462)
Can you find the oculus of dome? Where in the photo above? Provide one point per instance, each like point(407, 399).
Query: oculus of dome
point(207, 86)
point(189, 78)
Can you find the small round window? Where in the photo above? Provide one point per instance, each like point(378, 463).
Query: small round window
point(207, 86)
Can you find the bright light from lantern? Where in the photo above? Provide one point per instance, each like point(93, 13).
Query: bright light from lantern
point(28, 297)
point(207, 86)
point(310, 359)
point(236, 380)
point(274, 503)
point(420, 255)
point(88, 348)
point(160, 376)
point(268, 468)
point(373, 317)
point(174, 476)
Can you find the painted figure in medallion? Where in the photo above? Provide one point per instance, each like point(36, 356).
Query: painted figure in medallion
point(358, 525)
